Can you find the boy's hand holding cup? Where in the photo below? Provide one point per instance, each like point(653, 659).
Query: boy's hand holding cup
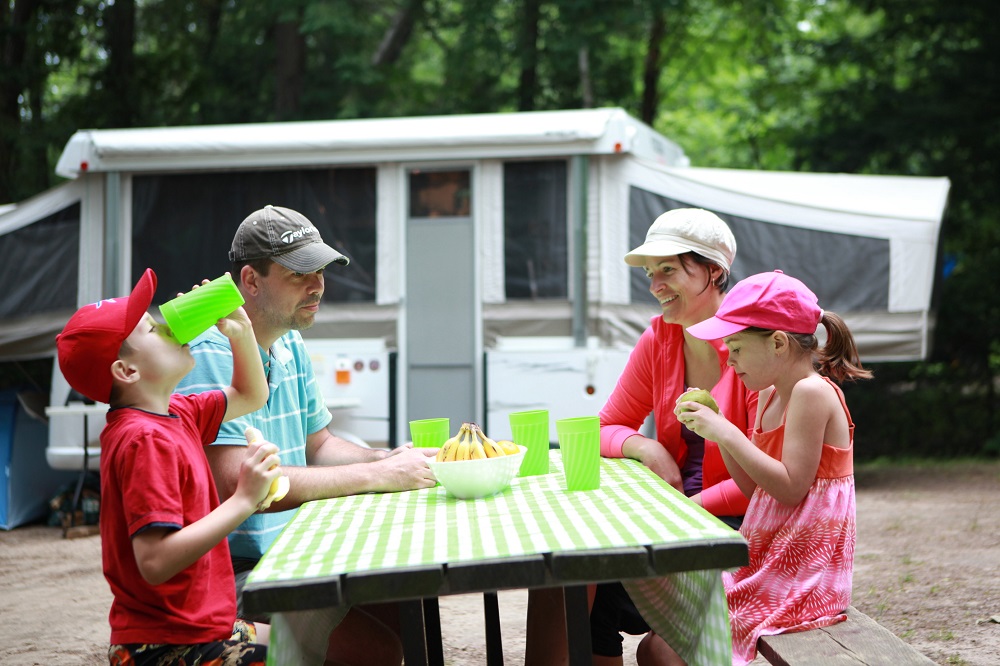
point(191, 314)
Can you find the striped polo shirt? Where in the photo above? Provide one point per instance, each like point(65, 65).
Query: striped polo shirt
point(295, 409)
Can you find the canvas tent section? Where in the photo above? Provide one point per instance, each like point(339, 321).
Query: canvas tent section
point(40, 248)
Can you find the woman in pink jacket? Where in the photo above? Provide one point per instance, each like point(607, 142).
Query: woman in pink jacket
point(687, 257)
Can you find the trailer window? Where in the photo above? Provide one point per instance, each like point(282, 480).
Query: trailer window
point(183, 224)
point(440, 193)
point(535, 235)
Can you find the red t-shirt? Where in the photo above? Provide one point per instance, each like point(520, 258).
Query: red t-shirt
point(154, 473)
point(651, 382)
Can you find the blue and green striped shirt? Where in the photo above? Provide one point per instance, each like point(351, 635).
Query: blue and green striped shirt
point(294, 410)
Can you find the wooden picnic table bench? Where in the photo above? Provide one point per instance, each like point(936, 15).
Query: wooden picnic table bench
point(860, 641)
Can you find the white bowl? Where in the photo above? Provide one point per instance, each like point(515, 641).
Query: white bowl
point(482, 477)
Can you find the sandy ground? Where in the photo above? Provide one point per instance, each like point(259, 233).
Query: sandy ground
point(927, 567)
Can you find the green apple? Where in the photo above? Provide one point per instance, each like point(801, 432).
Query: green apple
point(700, 396)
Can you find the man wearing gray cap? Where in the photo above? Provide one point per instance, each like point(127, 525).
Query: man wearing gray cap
point(278, 259)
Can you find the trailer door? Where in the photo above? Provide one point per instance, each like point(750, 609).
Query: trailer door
point(441, 297)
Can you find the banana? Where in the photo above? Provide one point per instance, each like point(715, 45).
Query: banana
point(464, 444)
point(492, 450)
point(442, 453)
point(452, 453)
point(479, 447)
point(478, 450)
point(471, 443)
point(279, 487)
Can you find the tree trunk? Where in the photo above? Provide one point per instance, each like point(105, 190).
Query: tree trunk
point(651, 70)
point(586, 86)
point(398, 34)
point(14, 22)
point(290, 65)
point(529, 56)
point(120, 80)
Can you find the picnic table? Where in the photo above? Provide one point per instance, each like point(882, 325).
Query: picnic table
point(416, 546)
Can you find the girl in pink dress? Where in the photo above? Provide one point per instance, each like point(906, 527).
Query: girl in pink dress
point(798, 468)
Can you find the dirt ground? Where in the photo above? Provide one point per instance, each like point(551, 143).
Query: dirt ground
point(927, 568)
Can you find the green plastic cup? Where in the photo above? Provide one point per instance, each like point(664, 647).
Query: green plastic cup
point(430, 433)
point(191, 314)
point(531, 430)
point(580, 445)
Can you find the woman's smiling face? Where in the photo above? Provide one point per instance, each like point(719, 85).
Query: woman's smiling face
point(683, 289)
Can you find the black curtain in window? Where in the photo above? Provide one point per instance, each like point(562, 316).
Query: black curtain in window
point(183, 224)
point(535, 234)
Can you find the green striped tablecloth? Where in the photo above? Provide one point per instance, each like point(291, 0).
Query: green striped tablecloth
point(331, 543)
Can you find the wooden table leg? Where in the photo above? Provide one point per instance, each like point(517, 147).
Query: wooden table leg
point(432, 630)
point(494, 642)
point(411, 623)
point(577, 625)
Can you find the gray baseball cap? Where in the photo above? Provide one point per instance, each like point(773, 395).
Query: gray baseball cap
point(285, 236)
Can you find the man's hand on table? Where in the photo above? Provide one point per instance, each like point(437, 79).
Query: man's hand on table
point(405, 468)
point(428, 451)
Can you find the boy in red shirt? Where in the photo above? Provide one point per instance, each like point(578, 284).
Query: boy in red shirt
point(163, 530)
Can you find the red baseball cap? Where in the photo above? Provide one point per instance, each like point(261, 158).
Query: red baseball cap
point(92, 338)
point(772, 301)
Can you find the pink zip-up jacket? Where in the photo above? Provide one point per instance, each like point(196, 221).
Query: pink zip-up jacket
point(651, 382)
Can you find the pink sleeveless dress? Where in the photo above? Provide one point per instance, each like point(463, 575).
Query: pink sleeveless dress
point(801, 557)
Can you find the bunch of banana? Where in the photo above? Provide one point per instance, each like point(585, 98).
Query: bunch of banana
point(471, 443)
point(279, 487)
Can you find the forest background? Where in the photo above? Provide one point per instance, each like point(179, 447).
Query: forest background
point(890, 87)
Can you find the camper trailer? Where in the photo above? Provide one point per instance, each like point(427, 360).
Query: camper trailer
point(486, 270)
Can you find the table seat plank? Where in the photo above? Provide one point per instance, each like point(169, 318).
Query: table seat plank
point(496, 574)
point(860, 641)
point(694, 555)
point(404, 583)
point(288, 595)
point(577, 566)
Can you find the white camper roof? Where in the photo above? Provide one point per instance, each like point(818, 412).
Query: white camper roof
point(478, 136)
point(892, 197)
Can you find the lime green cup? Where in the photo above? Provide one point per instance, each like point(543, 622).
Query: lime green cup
point(531, 430)
point(430, 433)
point(191, 314)
point(580, 445)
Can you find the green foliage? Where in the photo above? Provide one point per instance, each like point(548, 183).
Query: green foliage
point(923, 410)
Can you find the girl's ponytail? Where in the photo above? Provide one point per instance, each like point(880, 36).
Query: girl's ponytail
point(838, 359)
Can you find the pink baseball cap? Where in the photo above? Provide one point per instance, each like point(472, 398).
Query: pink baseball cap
point(93, 336)
point(772, 301)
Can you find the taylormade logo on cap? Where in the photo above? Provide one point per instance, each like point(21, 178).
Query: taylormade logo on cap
point(291, 236)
